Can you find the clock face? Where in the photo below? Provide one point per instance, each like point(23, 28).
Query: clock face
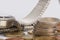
point(16, 8)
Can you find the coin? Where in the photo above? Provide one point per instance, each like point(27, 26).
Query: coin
point(16, 38)
point(44, 38)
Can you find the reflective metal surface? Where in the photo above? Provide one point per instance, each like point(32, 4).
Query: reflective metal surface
point(8, 24)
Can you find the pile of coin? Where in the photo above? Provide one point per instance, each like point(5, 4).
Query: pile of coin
point(45, 27)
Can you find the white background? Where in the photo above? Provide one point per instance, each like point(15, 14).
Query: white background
point(20, 8)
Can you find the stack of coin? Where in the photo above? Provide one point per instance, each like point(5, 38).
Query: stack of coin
point(58, 31)
point(45, 27)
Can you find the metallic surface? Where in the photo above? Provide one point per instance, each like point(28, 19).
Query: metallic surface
point(36, 13)
point(8, 24)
